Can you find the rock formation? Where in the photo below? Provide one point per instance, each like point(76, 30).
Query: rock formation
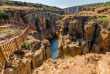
point(88, 64)
point(45, 23)
point(105, 44)
point(25, 60)
point(71, 36)
point(76, 37)
point(94, 37)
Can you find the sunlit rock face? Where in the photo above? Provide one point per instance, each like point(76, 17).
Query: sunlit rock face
point(94, 37)
point(25, 60)
point(76, 37)
point(45, 23)
point(105, 44)
point(15, 15)
point(72, 36)
point(85, 64)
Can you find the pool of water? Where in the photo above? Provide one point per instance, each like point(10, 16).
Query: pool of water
point(54, 47)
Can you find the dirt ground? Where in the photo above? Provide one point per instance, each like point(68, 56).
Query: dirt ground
point(85, 64)
point(8, 32)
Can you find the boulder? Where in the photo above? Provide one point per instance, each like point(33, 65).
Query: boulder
point(67, 47)
point(47, 48)
point(105, 44)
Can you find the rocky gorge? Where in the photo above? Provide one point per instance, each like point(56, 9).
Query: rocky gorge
point(36, 47)
point(78, 35)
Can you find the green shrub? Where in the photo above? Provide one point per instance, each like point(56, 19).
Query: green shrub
point(3, 15)
point(9, 33)
point(66, 56)
point(34, 8)
point(26, 45)
point(2, 30)
point(104, 19)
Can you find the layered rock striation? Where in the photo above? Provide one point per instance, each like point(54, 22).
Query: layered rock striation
point(77, 37)
point(45, 23)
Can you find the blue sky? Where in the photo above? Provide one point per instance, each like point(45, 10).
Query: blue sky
point(64, 3)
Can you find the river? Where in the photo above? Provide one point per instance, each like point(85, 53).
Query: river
point(54, 47)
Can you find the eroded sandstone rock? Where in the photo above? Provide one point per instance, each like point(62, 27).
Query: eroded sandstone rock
point(24, 61)
point(78, 37)
point(71, 36)
point(105, 44)
point(94, 36)
point(45, 23)
point(88, 64)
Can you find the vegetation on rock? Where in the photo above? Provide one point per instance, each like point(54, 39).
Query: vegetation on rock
point(18, 3)
point(3, 15)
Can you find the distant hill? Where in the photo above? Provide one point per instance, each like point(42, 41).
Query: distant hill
point(32, 5)
point(76, 9)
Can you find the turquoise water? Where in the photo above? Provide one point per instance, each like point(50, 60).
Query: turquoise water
point(54, 47)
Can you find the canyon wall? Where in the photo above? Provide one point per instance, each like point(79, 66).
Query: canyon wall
point(30, 56)
point(45, 23)
point(36, 48)
point(75, 9)
point(76, 37)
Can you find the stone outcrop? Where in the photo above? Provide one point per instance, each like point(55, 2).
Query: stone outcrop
point(105, 44)
point(94, 37)
point(72, 37)
point(77, 37)
point(75, 9)
point(88, 64)
point(67, 47)
point(25, 60)
point(45, 23)
point(15, 15)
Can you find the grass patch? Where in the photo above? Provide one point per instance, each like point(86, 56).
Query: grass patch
point(9, 33)
point(103, 19)
point(65, 57)
point(2, 30)
point(26, 45)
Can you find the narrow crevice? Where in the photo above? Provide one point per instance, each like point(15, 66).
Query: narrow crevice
point(83, 26)
point(45, 52)
point(83, 22)
point(38, 29)
point(94, 37)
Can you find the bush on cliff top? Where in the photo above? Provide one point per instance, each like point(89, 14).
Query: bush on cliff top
point(104, 21)
point(3, 15)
